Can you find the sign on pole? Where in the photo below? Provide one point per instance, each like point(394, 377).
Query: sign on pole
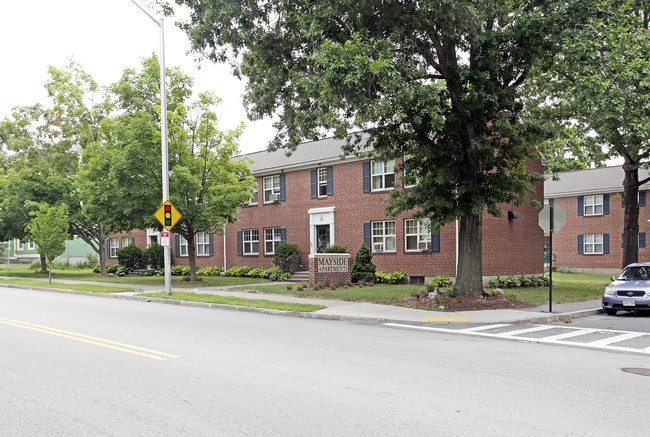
point(164, 238)
point(168, 215)
point(551, 219)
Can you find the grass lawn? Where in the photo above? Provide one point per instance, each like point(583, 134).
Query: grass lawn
point(229, 300)
point(567, 287)
point(22, 271)
point(79, 287)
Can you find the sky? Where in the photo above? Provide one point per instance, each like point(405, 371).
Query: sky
point(105, 37)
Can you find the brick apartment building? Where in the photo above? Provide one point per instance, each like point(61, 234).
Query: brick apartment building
point(317, 197)
point(591, 240)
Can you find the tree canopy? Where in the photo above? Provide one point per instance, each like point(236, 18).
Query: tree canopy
point(437, 82)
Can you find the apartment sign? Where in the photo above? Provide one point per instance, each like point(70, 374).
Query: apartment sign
point(333, 264)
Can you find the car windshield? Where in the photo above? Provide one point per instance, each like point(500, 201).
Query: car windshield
point(634, 274)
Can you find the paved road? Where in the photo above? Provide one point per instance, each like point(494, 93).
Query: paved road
point(74, 365)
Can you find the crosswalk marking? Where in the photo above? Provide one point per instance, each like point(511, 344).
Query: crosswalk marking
point(570, 338)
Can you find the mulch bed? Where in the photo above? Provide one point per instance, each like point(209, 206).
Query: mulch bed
point(465, 303)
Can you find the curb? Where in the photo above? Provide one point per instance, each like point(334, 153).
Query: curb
point(560, 317)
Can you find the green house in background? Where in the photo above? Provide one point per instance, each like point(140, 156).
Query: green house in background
point(76, 251)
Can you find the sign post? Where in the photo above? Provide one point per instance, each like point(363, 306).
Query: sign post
point(168, 216)
point(551, 219)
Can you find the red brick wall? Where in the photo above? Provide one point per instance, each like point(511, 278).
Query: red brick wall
point(565, 242)
point(509, 246)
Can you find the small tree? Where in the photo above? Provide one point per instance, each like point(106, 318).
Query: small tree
point(130, 257)
point(363, 269)
point(287, 257)
point(154, 257)
point(49, 230)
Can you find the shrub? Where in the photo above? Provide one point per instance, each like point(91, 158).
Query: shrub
point(390, 278)
point(180, 271)
point(363, 270)
point(237, 271)
point(122, 271)
point(209, 271)
point(112, 268)
point(318, 286)
point(289, 287)
point(334, 286)
point(440, 281)
point(256, 273)
point(154, 257)
point(335, 248)
point(130, 257)
point(287, 257)
point(518, 281)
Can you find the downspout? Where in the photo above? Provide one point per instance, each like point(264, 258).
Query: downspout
point(224, 248)
point(456, 248)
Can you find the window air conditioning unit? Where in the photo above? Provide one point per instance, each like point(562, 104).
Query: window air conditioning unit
point(274, 197)
point(378, 247)
point(424, 246)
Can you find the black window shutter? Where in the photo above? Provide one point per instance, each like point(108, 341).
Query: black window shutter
point(581, 205)
point(622, 200)
point(177, 245)
point(605, 243)
point(641, 239)
point(211, 244)
point(367, 235)
point(435, 242)
point(330, 180)
point(366, 177)
point(314, 184)
point(108, 248)
point(240, 247)
point(283, 196)
point(580, 244)
point(605, 203)
point(283, 234)
point(641, 198)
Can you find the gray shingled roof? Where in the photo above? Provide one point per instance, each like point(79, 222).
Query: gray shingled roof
point(594, 180)
point(306, 154)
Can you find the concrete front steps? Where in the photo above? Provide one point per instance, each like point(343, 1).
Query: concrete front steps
point(299, 277)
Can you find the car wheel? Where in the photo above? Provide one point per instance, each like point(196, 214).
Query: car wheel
point(611, 312)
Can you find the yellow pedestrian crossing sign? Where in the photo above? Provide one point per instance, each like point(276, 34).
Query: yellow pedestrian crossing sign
point(168, 215)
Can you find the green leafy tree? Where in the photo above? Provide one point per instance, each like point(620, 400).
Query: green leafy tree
point(598, 86)
point(44, 143)
point(49, 230)
point(436, 81)
point(206, 185)
point(287, 257)
point(363, 268)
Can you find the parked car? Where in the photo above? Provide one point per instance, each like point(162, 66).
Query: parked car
point(629, 291)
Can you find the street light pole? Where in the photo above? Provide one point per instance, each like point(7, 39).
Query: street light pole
point(164, 145)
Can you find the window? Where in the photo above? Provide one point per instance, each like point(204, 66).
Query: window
point(417, 235)
point(182, 246)
point(271, 188)
point(593, 243)
point(383, 175)
point(127, 241)
point(272, 238)
point(253, 200)
point(30, 245)
point(410, 179)
point(202, 244)
point(21, 245)
point(113, 246)
point(383, 236)
point(594, 205)
point(251, 241)
point(152, 239)
point(322, 182)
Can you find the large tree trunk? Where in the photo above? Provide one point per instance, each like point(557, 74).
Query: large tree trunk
point(191, 252)
point(470, 255)
point(43, 264)
point(631, 218)
point(102, 255)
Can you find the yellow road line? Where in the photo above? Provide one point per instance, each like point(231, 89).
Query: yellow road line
point(149, 353)
point(446, 319)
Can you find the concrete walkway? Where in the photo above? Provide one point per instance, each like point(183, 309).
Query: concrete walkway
point(357, 311)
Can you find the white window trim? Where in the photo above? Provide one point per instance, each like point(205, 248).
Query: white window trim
point(276, 237)
point(385, 237)
point(182, 244)
point(423, 233)
point(202, 243)
point(247, 239)
point(113, 248)
point(20, 245)
point(592, 244)
point(253, 199)
point(593, 205)
point(322, 181)
point(383, 175)
point(271, 186)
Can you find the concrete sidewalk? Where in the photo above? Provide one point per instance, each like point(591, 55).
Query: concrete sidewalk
point(359, 311)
